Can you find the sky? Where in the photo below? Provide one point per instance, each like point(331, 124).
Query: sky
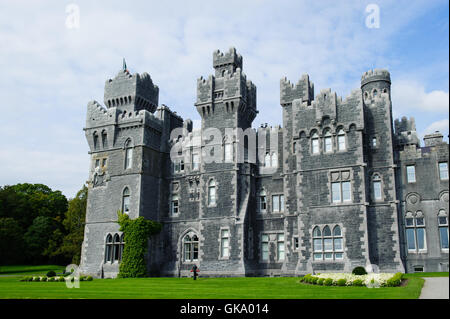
point(55, 57)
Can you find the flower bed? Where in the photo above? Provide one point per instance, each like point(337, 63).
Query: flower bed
point(53, 279)
point(345, 279)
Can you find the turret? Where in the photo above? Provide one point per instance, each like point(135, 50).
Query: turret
point(131, 92)
point(405, 132)
point(229, 61)
point(374, 82)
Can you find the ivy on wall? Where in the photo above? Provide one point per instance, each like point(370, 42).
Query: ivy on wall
point(136, 234)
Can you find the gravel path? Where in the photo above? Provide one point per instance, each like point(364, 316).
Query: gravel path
point(435, 288)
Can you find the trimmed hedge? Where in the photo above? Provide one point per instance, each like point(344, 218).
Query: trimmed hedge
point(395, 281)
point(359, 271)
point(342, 282)
point(358, 283)
point(328, 282)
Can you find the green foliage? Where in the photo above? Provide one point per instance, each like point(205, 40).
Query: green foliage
point(136, 234)
point(320, 281)
point(11, 242)
point(44, 278)
point(36, 278)
point(314, 280)
point(328, 282)
point(342, 282)
point(395, 281)
point(61, 279)
point(37, 237)
point(359, 271)
point(358, 283)
point(307, 278)
point(301, 279)
point(89, 278)
point(51, 273)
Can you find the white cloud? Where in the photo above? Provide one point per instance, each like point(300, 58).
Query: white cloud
point(441, 126)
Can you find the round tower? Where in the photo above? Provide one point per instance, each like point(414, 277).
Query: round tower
point(374, 82)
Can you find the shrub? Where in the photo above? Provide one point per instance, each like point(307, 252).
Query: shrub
point(314, 280)
point(51, 279)
point(26, 278)
point(395, 281)
point(36, 279)
point(328, 282)
point(51, 273)
point(44, 278)
point(342, 282)
point(307, 278)
point(61, 279)
point(89, 278)
point(301, 279)
point(358, 283)
point(82, 278)
point(359, 271)
point(320, 281)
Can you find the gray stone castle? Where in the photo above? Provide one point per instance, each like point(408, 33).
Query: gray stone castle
point(339, 185)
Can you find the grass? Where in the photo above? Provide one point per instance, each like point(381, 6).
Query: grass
point(186, 288)
point(425, 274)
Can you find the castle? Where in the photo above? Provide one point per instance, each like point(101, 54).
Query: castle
point(339, 185)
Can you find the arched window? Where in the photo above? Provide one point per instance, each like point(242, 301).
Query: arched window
point(126, 201)
point(328, 142)
point(443, 229)
point(190, 246)
point(212, 192)
point(275, 159)
point(128, 154)
point(174, 204)
point(376, 182)
point(262, 201)
point(375, 93)
point(116, 247)
point(315, 143)
point(267, 160)
point(108, 248)
point(95, 136)
point(327, 245)
point(341, 140)
point(104, 139)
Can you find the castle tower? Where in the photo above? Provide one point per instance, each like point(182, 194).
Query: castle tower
point(382, 212)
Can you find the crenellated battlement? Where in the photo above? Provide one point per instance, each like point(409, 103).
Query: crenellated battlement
point(375, 75)
point(404, 125)
point(230, 58)
point(303, 89)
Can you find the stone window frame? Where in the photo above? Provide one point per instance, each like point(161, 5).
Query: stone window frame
point(260, 194)
point(104, 135)
point(279, 211)
point(272, 236)
point(261, 242)
point(332, 227)
point(440, 172)
point(372, 183)
point(208, 186)
point(112, 246)
point(338, 134)
point(327, 134)
point(314, 136)
point(407, 175)
point(415, 227)
point(442, 213)
point(123, 200)
point(191, 233)
point(277, 249)
point(174, 198)
point(128, 148)
point(220, 240)
point(341, 180)
point(296, 243)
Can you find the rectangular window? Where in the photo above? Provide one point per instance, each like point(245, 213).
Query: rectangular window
point(296, 245)
point(195, 253)
point(280, 247)
point(262, 203)
point(328, 144)
point(265, 247)
point(174, 204)
point(276, 203)
point(411, 173)
point(315, 146)
point(225, 243)
point(443, 171)
point(228, 153)
point(97, 163)
point(328, 244)
point(212, 196)
point(411, 239)
point(341, 142)
point(104, 162)
point(420, 238)
point(377, 190)
point(187, 252)
point(374, 142)
point(281, 203)
point(338, 244)
point(128, 158)
point(336, 192)
point(443, 233)
point(317, 245)
point(346, 192)
point(195, 162)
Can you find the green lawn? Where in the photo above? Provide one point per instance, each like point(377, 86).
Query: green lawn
point(203, 288)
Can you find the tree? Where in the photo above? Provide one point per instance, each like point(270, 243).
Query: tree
point(11, 242)
point(37, 237)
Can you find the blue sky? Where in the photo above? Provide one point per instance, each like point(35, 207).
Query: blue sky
point(50, 72)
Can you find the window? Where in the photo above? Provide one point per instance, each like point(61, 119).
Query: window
point(280, 247)
point(262, 202)
point(327, 245)
point(275, 159)
point(376, 182)
point(224, 243)
point(128, 155)
point(374, 142)
point(95, 136)
point(190, 248)
point(328, 144)
point(415, 232)
point(375, 93)
point(114, 248)
point(411, 173)
point(108, 248)
point(104, 139)
point(126, 201)
point(341, 140)
point(296, 243)
point(443, 229)
point(178, 166)
point(174, 205)
point(211, 192)
point(278, 203)
point(315, 144)
point(97, 163)
point(341, 192)
point(104, 162)
point(443, 171)
point(267, 160)
point(195, 162)
point(294, 147)
point(265, 247)
point(228, 153)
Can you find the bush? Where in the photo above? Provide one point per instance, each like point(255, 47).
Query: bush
point(36, 279)
point(26, 278)
point(320, 281)
point(395, 281)
point(301, 279)
point(307, 278)
point(358, 283)
point(89, 278)
point(44, 278)
point(51, 279)
point(82, 278)
point(51, 273)
point(342, 282)
point(314, 280)
point(61, 279)
point(328, 282)
point(359, 271)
